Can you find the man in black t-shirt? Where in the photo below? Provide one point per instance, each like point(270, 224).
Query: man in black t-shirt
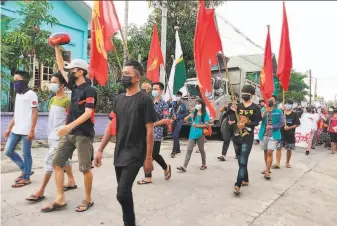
point(135, 116)
point(249, 116)
point(288, 132)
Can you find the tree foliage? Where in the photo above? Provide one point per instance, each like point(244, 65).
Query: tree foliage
point(298, 89)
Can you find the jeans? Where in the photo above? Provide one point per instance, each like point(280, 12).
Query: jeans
point(157, 157)
point(125, 176)
point(228, 133)
point(175, 135)
point(190, 145)
point(25, 165)
point(242, 152)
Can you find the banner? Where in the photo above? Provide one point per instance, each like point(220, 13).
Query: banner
point(302, 132)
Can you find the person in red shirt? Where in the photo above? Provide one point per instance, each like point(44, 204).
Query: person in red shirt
point(332, 129)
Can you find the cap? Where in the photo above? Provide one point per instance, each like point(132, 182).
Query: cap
point(77, 63)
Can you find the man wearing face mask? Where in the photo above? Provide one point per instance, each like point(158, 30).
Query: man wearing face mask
point(146, 88)
point(249, 116)
point(135, 115)
point(178, 113)
point(270, 133)
point(58, 107)
point(161, 108)
point(22, 127)
point(78, 133)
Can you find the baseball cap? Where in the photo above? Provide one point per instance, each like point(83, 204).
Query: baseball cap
point(77, 63)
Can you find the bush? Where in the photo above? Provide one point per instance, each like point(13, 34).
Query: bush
point(105, 96)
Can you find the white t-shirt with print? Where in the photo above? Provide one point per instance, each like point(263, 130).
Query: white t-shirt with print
point(23, 112)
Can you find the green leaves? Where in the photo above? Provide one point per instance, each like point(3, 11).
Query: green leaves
point(298, 89)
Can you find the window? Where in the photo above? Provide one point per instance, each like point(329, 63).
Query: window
point(47, 72)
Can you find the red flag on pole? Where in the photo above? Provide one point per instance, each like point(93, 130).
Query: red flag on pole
point(266, 76)
point(284, 58)
point(155, 57)
point(104, 25)
point(207, 44)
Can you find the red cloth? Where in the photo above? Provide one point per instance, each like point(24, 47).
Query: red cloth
point(155, 58)
point(104, 25)
point(266, 76)
point(207, 44)
point(285, 63)
point(333, 123)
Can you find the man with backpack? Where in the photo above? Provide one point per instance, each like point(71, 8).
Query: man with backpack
point(162, 113)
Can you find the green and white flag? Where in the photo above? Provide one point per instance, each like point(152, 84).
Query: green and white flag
point(178, 73)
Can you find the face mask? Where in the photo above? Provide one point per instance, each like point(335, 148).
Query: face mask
point(178, 98)
point(20, 86)
point(288, 106)
point(246, 97)
point(155, 93)
point(126, 81)
point(197, 107)
point(143, 90)
point(54, 87)
point(71, 76)
point(270, 104)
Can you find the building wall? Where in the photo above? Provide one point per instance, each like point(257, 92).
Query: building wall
point(101, 121)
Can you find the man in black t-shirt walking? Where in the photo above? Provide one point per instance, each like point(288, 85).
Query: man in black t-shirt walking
point(288, 132)
point(135, 116)
point(250, 116)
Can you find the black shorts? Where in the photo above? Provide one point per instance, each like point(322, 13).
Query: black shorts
point(333, 137)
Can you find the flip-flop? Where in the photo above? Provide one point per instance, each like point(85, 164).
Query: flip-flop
point(236, 190)
point(267, 177)
point(182, 169)
point(20, 185)
point(20, 177)
point(275, 167)
point(203, 167)
point(264, 172)
point(168, 175)
point(288, 166)
point(85, 204)
point(68, 188)
point(244, 183)
point(221, 158)
point(34, 198)
point(141, 182)
point(53, 207)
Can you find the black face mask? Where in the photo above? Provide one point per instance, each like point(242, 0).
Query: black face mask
point(71, 76)
point(126, 81)
point(143, 90)
point(20, 86)
point(246, 97)
point(270, 104)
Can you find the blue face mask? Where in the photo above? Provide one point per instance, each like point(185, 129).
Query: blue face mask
point(288, 106)
point(155, 93)
point(54, 87)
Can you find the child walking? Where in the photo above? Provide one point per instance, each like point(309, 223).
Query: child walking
point(200, 120)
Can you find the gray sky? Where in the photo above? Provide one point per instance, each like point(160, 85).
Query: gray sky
point(312, 28)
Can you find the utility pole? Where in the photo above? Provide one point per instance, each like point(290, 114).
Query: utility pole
point(126, 18)
point(163, 39)
point(315, 95)
point(310, 87)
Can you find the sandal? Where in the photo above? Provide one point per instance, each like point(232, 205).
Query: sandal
point(68, 188)
point(275, 167)
point(168, 175)
point(182, 169)
point(141, 182)
point(221, 158)
point(267, 177)
point(19, 185)
point(203, 167)
point(236, 190)
point(288, 166)
point(84, 204)
point(20, 177)
point(264, 172)
point(55, 206)
point(34, 198)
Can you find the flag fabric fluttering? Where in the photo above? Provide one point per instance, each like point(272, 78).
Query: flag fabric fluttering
point(155, 57)
point(207, 44)
point(178, 73)
point(285, 63)
point(104, 25)
point(266, 76)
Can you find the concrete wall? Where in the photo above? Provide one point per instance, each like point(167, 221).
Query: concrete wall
point(101, 121)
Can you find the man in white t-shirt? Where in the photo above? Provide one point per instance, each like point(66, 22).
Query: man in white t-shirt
point(22, 127)
point(313, 118)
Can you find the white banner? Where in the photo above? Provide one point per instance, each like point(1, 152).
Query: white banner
point(302, 132)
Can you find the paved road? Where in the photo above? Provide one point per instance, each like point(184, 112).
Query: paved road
point(303, 195)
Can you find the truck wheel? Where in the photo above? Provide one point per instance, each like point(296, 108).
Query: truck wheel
point(223, 128)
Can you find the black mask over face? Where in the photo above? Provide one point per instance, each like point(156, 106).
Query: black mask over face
point(143, 90)
point(246, 97)
point(20, 86)
point(270, 104)
point(126, 81)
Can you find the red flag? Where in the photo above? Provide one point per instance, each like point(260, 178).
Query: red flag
point(266, 76)
point(104, 25)
point(285, 62)
point(207, 44)
point(155, 58)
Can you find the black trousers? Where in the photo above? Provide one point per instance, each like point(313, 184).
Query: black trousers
point(228, 133)
point(125, 178)
point(157, 157)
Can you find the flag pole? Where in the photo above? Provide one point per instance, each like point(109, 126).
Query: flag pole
point(226, 71)
point(118, 61)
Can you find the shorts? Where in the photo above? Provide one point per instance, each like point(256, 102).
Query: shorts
point(48, 160)
point(269, 143)
point(67, 145)
point(289, 147)
point(333, 137)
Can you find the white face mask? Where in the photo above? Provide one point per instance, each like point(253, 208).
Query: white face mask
point(178, 98)
point(197, 107)
point(155, 93)
point(54, 87)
